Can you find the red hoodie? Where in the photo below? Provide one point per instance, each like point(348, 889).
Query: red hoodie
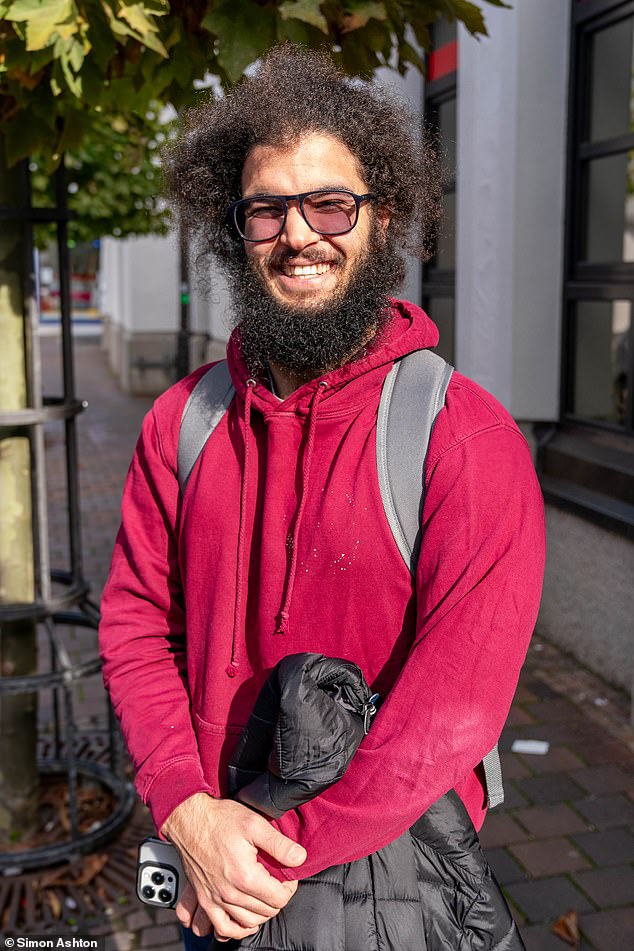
point(281, 545)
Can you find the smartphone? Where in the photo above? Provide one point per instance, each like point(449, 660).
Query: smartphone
point(160, 877)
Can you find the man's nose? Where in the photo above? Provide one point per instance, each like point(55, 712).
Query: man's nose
point(297, 233)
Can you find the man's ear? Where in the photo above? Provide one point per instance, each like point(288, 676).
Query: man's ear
point(384, 216)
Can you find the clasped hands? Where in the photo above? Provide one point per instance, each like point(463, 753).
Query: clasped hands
point(230, 893)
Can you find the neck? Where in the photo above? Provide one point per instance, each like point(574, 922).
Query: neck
point(286, 382)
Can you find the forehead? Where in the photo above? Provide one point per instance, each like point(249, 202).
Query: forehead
point(316, 161)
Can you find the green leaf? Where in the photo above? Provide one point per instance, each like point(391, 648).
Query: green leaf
point(27, 132)
point(470, 14)
point(76, 54)
point(101, 38)
point(358, 12)
point(41, 18)
point(244, 31)
point(295, 31)
point(407, 54)
point(142, 26)
point(308, 11)
point(73, 130)
point(356, 57)
point(73, 81)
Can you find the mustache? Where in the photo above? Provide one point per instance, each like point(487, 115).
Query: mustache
point(283, 256)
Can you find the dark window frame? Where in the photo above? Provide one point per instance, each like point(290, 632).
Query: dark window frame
point(588, 465)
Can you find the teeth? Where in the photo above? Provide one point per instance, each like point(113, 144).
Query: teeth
point(307, 270)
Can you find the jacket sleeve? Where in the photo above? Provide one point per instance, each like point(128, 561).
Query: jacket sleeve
point(478, 584)
point(142, 634)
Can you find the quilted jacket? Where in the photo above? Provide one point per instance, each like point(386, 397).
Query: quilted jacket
point(431, 889)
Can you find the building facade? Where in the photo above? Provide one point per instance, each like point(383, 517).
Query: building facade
point(531, 285)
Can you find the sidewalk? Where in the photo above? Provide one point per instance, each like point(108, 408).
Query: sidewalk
point(564, 839)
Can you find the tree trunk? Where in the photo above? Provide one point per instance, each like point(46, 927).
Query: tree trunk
point(18, 641)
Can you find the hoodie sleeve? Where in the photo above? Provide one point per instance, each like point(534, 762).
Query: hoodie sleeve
point(142, 634)
point(478, 588)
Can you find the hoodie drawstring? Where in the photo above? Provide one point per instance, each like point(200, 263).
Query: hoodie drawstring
point(232, 668)
point(241, 567)
point(282, 625)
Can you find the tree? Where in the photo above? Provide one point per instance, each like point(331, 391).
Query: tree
point(65, 64)
point(86, 78)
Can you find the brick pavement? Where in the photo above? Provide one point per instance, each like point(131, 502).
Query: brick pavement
point(565, 837)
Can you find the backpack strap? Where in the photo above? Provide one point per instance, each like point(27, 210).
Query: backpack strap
point(207, 404)
point(413, 394)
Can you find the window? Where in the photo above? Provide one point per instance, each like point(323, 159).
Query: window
point(589, 460)
point(440, 112)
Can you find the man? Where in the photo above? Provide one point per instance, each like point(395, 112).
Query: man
point(306, 186)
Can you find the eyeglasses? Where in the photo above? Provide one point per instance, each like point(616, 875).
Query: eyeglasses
point(327, 212)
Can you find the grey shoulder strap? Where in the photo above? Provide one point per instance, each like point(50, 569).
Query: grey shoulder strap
point(413, 394)
point(207, 404)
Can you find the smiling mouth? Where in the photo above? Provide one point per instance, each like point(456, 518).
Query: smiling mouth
point(307, 270)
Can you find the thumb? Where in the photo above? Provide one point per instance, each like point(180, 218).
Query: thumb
point(280, 847)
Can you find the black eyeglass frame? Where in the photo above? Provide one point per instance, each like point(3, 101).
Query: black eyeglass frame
point(358, 200)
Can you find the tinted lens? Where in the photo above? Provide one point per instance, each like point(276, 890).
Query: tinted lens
point(260, 219)
point(330, 212)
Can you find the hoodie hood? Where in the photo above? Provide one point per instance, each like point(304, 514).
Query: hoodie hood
point(408, 329)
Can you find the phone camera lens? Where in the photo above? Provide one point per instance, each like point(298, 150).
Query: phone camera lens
point(148, 892)
point(158, 878)
point(165, 895)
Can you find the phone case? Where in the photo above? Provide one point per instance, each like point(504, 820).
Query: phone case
point(160, 876)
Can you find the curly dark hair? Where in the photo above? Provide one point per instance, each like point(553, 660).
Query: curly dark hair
point(294, 92)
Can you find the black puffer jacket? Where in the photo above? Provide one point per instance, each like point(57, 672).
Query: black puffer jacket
point(429, 890)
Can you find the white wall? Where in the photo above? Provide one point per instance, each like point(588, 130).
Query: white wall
point(140, 283)
point(512, 106)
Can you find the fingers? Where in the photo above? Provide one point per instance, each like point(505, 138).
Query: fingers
point(186, 906)
point(224, 925)
point(225, 928)
point(244, 918)
point(279, 846)
point(201, 924)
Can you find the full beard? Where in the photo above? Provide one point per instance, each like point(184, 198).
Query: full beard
point(307, 341)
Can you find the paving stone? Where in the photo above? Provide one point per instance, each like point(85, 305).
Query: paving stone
point(524, 694)
point(541, 938)
point(549, 856)
point(541, 689)
point(505, 868)
point(554, 733)
point(604, 812)
point(513, 798)
point(557, 759)
point(610, 930)
point(604, 779)
point(158, 936)
point(519, 717)
point(119, 941)
point(608, 886)
point(551, 787)
point(513, 766)
point(548, 898)
point(138, 919)
point(604, 751)
point(164, 916)
point(550, 820)
point(554, 710)
point(607, 847)
point(500, 829)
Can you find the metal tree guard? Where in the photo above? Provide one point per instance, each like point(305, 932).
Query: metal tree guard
point(61, 594)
